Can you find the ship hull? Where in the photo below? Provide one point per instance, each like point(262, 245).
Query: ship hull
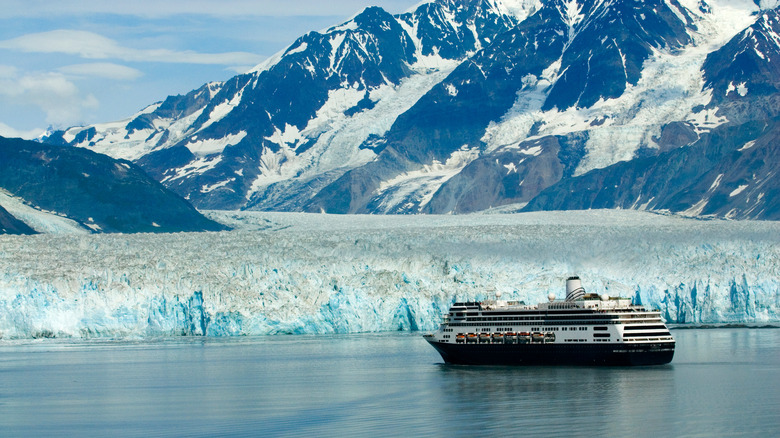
point(614, 354)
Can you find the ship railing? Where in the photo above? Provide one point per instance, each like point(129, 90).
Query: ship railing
point(506, 305)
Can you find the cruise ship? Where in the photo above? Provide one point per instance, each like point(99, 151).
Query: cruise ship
point(582, 329)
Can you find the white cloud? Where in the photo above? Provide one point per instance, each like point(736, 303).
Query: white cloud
point(59, 98)
point(90, 45)
point(222, 8)
point(7, 71)
point(9, 132)
point(111, 37)
point(106, 70)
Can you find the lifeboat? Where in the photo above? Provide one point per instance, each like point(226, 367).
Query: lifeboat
point(484, 337)
point(523, 337)
point(549, 337)
point(460, 338)
point(498, 338)
point(471, 337)
point(537, 337)
point(510, 337)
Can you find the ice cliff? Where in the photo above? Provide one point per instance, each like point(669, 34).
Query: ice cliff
point(299, 273)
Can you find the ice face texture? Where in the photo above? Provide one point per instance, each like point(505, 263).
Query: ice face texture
point(299, 273)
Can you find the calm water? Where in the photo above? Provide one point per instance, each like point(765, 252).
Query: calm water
point(722, 382)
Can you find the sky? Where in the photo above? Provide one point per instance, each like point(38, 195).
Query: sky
point(70, 63)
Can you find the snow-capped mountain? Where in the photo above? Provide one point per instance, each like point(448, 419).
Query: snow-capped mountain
point(55, 189)
point(459, 106)
point(744, 75)
point(729, 171)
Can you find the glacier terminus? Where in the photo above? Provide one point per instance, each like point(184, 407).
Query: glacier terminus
point(297, 273)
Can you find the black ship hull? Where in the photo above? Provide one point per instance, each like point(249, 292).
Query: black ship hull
point(616, 354)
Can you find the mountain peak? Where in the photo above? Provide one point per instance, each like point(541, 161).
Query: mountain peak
point(747, 69)
point(457, 105)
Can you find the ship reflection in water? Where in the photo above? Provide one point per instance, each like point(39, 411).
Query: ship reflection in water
point(561, 401)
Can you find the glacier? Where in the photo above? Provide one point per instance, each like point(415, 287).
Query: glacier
point(296, 273)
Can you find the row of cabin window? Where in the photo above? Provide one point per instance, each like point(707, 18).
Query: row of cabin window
point(585, 323)
point(532, 329)
point(541, 318)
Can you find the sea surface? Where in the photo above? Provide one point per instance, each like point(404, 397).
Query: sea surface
point(722, 382)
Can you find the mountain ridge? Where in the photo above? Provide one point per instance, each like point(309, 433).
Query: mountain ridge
point(90, 191)
point(11, 225)
point(455, 107)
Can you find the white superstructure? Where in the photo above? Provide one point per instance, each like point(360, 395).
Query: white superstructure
point(580, 318)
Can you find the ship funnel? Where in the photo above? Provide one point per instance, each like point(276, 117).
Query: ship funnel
point(574, 290)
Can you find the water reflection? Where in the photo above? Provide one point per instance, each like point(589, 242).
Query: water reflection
point(560, 400)
point(721, 382)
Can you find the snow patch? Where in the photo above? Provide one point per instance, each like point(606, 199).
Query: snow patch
point(533, 151)
point(212, 187)
point(740, 88)
point(451, 90)
point(335, 43)
point(573, 13)
point(214, 145)
point(424, 183)
point(289, 137)
point(738, 190)
point(223, 109)
point(715, 183)
point(350, 25)
point(195, 167)
point(747, 145)
point(519, 9)
point(696, 209)
point(300, 48)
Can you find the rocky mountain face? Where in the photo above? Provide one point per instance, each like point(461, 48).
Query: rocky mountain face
point(11, 225)
point(95, 191)
point(460, 106)
point(729, 171)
